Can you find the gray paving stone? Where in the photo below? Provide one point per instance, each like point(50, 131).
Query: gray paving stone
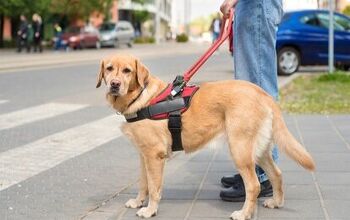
point(293, 218)
point(210, 192)
point(333, 178)
point(167, 209)
point(184, 178)
point(222, 166)
point(214, 178)
point(300, 192)
point(338, 209)
point(214, 208)
point(301, 209)
point(297, 178)
point(179, 192)
point(100, 215)
point(340, 192)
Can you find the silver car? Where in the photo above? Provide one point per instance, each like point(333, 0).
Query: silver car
point(115, 34)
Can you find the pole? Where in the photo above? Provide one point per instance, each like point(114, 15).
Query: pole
point(187, 14)
point(157, 22)
point(331, 38)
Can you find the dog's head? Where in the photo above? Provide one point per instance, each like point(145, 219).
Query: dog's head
point(122, 74)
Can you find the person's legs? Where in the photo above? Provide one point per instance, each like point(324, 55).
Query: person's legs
point(254, 52)
point(255, 47)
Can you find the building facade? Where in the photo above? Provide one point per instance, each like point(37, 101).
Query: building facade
point(160, 16)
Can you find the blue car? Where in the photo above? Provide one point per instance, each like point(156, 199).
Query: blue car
point(302, 39)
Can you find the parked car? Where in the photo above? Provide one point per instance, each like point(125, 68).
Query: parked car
point(81, 37)
point(115, 34)
point(302, 39)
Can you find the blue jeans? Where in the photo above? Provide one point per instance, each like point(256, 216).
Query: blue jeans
point(255, 59)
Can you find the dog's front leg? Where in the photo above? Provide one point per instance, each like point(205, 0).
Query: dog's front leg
point(154, 161)
point(143, 187)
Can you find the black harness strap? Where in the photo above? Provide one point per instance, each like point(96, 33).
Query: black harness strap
point(174, 126)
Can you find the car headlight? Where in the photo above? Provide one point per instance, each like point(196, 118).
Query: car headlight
point(106, 37)
point(73, 38)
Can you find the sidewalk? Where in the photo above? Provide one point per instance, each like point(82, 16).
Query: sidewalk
point(192, 182)
point(10, 60)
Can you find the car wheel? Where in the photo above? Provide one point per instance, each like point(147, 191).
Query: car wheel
point(288, 60)
point(81, 45)
point(98, 45)
point(130, 44)
point(116, 43)
point(343, 67)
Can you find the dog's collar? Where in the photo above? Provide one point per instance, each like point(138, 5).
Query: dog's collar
point(138, 96)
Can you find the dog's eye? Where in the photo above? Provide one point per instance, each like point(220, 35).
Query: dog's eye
point(126, 70)
point(110, 68)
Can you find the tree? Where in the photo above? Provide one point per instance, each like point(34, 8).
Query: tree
point(74, 9)
point(14, 8)
point(347, 10)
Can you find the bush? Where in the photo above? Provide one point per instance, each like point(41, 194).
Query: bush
point(181, 38)
point(339, 76)
point(347, 10)
point(144, 40)
point(9, 43)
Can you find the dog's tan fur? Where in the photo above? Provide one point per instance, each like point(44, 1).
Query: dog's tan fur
point(249, 117)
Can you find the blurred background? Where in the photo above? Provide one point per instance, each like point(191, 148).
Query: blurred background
point(159, 20)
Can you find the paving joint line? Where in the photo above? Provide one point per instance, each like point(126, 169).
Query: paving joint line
point(317, 185)
point(104, 202)
point(200, 186)
point(331, 122)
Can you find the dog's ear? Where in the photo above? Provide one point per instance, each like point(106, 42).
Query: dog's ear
point(142, 73)
point(101, 75)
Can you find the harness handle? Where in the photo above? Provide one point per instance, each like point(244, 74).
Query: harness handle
point(226, 29)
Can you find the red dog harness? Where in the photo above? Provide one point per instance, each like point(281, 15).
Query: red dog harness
point(176, 98)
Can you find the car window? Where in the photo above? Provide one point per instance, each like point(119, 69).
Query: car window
point(342, 21)
point(285, 17)
point(310, 19)
point(324, 22)
point(107, 27)
point(122, 27)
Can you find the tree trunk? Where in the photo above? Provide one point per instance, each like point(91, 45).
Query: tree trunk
point(2, 20)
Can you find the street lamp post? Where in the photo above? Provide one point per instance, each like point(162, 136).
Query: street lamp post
point(331, 38)
point(157, 22)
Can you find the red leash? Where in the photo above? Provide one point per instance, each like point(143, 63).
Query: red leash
point(180, 81)
point(226, 30)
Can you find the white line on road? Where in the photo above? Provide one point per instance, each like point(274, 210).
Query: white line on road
point(24, 116)
point(3, 101)
point(21, 163)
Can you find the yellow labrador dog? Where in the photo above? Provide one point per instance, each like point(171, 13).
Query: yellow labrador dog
point(248, 116)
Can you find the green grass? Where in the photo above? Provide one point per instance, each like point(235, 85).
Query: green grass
point(325, 94)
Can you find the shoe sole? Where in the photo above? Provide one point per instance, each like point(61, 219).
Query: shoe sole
point(226, 185)
point(242, 199)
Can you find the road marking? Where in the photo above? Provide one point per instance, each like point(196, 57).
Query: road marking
point(21, 163)
point(24, 116)
point(3, 101)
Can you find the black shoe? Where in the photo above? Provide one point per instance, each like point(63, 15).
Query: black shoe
point(236, 193)
point(228, 181)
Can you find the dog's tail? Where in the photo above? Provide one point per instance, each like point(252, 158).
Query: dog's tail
point(287, 143)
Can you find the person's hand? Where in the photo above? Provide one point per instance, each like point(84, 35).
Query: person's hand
point(226, 6)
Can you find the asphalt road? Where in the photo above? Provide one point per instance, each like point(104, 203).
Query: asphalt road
point(61, 152)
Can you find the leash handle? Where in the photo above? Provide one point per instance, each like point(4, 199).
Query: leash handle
point(226, 29)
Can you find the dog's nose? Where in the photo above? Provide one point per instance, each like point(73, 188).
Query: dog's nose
point(115, 84)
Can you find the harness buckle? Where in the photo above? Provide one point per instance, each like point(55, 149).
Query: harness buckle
point(178, 85)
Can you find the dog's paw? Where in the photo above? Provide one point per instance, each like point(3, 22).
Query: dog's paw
point(133, 203)
point(271, 204)
point(239, 215)
point(146, 212)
